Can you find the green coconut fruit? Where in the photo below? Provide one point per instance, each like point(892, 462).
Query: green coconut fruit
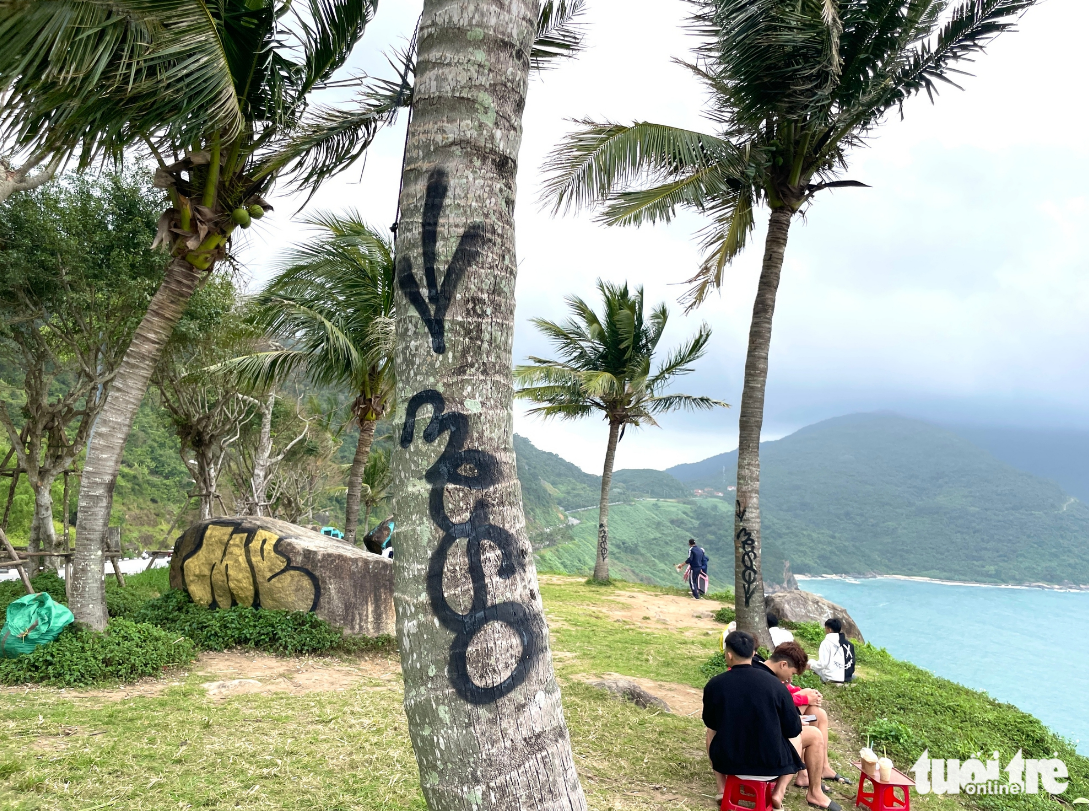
point(256, 211)
point(241, 216)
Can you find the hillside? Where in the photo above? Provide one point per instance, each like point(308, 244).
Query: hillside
point(865, 494)
point(1062, 456)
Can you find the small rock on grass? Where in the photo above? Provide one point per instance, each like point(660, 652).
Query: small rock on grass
point(630, 691)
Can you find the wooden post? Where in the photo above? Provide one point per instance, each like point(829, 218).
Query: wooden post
point(20, 565)
point(11, 497)
point(113, 552)
point(65, 500)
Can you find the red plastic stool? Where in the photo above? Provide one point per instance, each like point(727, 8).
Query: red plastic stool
point(894, 795)
point(738, 790)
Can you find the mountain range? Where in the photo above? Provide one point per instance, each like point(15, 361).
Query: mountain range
point(856, 495)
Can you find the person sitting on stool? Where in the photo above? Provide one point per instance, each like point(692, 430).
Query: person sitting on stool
point(751, 721)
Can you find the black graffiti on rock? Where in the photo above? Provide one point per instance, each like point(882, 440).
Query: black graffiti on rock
point(432, 309)
point(476, 470)
point(749, 575)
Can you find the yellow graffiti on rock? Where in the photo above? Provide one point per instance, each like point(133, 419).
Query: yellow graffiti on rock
point(235, 567)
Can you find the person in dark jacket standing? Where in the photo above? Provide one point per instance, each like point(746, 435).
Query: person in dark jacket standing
point(697, 566)
point(751, 718)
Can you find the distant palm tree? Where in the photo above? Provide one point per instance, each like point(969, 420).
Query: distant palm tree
point(793, 86)
point(605, 366)
point(215, 90)
point(330, 312)
point(376, 479)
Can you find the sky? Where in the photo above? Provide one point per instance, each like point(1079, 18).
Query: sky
point(954, 289)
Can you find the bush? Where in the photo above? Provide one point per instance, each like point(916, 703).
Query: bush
point(884, 731)
point(713, 666)
point(725, 615)
point(11, 590)
point(79, 657)
point(724, 596)
point(285, 633)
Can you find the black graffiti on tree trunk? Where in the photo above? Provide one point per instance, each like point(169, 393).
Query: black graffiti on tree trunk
point(603, 541)
point(433, 309)
point(749, 575)
point(476, 470)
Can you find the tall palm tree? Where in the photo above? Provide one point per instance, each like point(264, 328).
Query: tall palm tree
point(793, 86)
point(214, 90)
point(330, 311)
point(605, 367)
point(470, 623)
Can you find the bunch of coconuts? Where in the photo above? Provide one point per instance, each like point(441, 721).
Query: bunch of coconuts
point(244, 216)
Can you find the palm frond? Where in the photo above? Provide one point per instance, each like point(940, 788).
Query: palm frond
point(601, 159)
point(330, 33)
point(86, 76)
point(682, 402)
point(559, 34)
point(723, 239)
point(680, 360)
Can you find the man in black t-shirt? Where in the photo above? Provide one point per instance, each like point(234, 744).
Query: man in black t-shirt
point(751, 718)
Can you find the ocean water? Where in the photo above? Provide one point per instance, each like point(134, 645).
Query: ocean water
point(1027, 647)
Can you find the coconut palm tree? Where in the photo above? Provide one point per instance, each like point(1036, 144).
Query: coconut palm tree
point(470, 623)
point(794, 85)
point(329, 311)
point(605, 367)
point(214, 90)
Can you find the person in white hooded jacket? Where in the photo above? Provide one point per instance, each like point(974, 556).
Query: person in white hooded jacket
point(837, 657)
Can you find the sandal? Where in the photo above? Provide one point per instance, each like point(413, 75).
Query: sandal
point(832, 805)
point(839, 778)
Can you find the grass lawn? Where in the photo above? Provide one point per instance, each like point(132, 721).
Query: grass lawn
point(173, 744)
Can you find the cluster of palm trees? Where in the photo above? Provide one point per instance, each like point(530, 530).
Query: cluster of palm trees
point(219, 93)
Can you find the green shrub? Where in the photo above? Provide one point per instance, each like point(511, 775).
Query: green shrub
point(285, 633)
point(125, 602)
point(808, 634)
point(713, 666)
point(724, 596)
point(79, 657)
point(11, 590)
point(884, 731)
point(725, 615)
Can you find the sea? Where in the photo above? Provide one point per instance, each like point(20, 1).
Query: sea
point(1025, 646)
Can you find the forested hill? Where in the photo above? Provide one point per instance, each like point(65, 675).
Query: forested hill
point(869, 494)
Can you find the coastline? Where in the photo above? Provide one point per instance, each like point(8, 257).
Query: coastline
point(857, 577)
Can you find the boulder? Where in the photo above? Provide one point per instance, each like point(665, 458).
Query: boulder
point(630, 691)
point(803, 606)
point(266, 563)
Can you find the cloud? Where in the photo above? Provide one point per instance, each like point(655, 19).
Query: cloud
point(956, 288)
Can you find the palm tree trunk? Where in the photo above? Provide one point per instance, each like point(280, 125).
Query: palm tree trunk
point(355, 479)
point(481, 697)
point(748, 580)
point(87, 596)
point(601, 564)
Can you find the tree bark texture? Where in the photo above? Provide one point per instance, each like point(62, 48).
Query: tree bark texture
point(261, 457)
point(43, 536)
point(87, 597)
point(481, 697)
point(355, 479)
point(748, 579)
point(601, 563)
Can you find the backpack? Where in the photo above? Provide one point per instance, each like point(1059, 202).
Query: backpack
point(32, 621)
point(848, 660)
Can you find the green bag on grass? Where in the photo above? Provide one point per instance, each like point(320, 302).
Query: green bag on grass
point(32, 621)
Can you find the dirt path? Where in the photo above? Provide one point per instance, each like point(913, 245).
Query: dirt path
point(238, 672)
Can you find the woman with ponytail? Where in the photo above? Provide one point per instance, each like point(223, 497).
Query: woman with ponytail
point(837, 655)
